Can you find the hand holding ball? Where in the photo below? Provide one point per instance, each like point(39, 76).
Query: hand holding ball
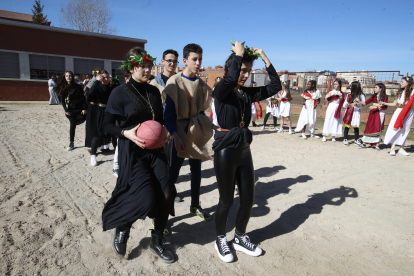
point(153, 133)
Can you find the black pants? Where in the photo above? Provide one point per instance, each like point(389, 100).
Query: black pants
point(233, 165)
point(72, 128)
point(195, 168)
point(94, 146)
point(267, 117)
point(356, 132)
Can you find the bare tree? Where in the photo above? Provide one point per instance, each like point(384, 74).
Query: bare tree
point(87, 15)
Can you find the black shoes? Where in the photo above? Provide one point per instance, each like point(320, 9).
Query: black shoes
point(242, 243)
point(157, 249)
point(223, 250)
point(119, 242)
point(198, 211)
point(71, 146)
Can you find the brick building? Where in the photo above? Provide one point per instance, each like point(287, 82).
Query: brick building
point(31, 53)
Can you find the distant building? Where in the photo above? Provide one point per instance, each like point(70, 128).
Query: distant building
point(363, 77)
point(31, 53)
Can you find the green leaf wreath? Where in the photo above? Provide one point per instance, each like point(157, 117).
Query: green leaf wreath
point(135, 60)
point(249, 51)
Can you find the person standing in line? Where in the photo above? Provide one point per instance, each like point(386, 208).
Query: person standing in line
point(284, 98)
point(187, 97)
point(142, 188)
point(54, 98)
point(272, 109)
point(352, 116)
point(399, 136)
point(72, 93)
point(309, 112)
point(333, 116)
point(232, 157)
point(376, 118)
point(98, 96)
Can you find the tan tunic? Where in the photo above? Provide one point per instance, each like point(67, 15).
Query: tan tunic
point(161, 88)
point(190, 98)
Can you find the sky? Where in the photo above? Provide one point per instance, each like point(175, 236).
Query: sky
point(297, 35)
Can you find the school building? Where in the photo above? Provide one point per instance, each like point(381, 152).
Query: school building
point(31, 53)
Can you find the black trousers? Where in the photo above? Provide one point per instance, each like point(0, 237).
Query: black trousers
point(195, 168)
point(356, 132)
point(233, 165)
point(267, 117)
point(72, 121)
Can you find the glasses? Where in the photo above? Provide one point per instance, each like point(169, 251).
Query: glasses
point(171, 61)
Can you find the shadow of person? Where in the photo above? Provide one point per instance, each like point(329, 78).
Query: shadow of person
point(264, 191)
point(136, 252)
point(296, 215)
point(267, 171)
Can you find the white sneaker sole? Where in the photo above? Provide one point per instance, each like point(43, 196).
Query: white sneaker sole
point(227, 259)
point(255, 253)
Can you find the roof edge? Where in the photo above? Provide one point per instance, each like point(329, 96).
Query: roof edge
point(63, 30)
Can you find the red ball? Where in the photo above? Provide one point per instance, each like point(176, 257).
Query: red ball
point(153, 133)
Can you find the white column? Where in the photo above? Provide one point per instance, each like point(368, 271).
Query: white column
point(24, 66)
point(69, 66)
point(108, 66)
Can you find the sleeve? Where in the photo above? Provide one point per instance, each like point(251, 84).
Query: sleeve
point(316, 95)
point(93, 89)
point(110, 126)
point(260, 93)
point(346, 100)
point(114, 105)
point(384, 107)
point(226, 86)
point(363, 99)
point(170, 117)
point(369, 100)
point(62, 101)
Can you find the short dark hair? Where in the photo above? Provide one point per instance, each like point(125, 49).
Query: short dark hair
point(192, 48)
point(169, 51)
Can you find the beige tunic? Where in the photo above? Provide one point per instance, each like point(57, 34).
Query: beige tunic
point(190, 98)
point(161, 88)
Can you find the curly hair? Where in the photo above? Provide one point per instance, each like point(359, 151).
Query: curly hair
point(63, 87)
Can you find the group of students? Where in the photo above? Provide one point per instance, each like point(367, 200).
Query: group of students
point(353, 102)
point(145, 186)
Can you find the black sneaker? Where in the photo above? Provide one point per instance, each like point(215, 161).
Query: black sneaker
point(157, 249)
point(223, 249)
point(198, 211)
point(115, 173)
point(362, 146)
point(242, 243)
point(71, 146)
point(119, 242)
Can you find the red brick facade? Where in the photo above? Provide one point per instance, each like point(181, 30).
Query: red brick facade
point(63, 43)
point(18, 90)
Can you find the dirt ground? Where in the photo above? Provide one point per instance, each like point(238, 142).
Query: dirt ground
point(320, 208)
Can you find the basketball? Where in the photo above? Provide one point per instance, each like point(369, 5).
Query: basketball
point(153, 133)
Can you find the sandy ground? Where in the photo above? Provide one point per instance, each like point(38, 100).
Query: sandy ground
point(320, 208)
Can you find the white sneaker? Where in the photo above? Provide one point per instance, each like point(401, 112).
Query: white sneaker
point(323, 139)
point(333, 139)
point(290, 131)
point(280, 130)
point(223, 249)
point(93, 161)
point(275, 128)
point(315, 136)
point(304, 136)
point(346, 142)
point(403, 152)
point(262, 128)
point(392, 152)
point(358, 142)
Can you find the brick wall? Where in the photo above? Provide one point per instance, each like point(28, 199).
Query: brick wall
point(16, 90)
point(61, 43)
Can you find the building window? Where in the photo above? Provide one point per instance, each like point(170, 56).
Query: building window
point(83, 67)
point(9, 65)
point(116, 72)
point(43, 67)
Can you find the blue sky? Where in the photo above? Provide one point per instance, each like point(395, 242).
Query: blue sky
point(295, 35)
